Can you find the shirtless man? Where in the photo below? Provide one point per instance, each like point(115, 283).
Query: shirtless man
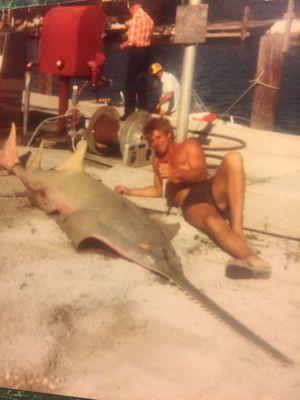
point(207, 202)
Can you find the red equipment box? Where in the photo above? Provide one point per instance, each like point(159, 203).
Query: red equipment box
point(71, 38)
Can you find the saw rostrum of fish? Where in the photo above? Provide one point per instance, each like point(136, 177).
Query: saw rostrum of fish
point(89, 210)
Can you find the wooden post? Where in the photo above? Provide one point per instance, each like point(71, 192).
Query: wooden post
point(245, 23)
point(268, 74)
point(289, 19)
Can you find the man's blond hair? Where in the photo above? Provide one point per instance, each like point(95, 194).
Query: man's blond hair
point(158, 124)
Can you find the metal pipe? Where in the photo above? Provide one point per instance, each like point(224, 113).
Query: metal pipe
point(63, 101)
point(288, 17)
point(26, 104)
point(187, 77)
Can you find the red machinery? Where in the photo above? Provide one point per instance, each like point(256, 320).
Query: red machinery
point(71, 46)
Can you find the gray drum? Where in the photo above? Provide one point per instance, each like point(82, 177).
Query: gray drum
point(131, 131)
point(102, 132)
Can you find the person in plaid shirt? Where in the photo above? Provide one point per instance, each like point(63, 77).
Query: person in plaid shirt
point(138, 41)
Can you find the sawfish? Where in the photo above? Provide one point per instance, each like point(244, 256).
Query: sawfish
point(87, 210)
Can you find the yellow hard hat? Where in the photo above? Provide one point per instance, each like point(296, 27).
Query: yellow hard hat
point(155, 68)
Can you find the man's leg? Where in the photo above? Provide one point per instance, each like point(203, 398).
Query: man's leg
point(138, 61)
point(229, 189)
point(142, 83)
point(206, 217)
point(246, 264)
point(129, 93)
point(130, 81)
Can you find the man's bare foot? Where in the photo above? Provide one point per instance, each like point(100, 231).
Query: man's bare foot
point(252, 267)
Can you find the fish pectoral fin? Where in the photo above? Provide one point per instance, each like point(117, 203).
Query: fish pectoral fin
point(85, 230)
point(34, 162)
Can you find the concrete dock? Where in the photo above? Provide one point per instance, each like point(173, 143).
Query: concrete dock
point(86, 325)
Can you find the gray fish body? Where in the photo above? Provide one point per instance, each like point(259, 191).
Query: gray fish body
point(90, 210)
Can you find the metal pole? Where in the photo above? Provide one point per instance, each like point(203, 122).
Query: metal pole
point(26, 105)
point(289, 19)
point(187, 77)
point(63, 102)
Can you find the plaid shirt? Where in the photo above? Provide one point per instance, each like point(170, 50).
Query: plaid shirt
point(140, 30)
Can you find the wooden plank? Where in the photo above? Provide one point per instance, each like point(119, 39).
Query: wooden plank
point(237, 25)
point(245, 23)
point(225, 34)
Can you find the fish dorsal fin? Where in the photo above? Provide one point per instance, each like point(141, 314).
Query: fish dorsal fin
point(9, 151)
point(75, 161)
point(34, 162)
point(170, 230)
point(12, 138)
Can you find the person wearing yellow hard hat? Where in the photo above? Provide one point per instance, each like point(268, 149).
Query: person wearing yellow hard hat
point(170, 90)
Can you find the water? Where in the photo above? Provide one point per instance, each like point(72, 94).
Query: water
point(223, 71)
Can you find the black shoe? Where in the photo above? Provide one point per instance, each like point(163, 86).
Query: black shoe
point(241, 269)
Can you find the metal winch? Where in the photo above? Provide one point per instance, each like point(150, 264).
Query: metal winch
point(107, 135)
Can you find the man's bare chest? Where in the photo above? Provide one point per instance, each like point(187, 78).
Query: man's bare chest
point(178, 159)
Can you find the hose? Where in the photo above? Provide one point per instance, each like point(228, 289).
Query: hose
point(278, 235)
point(41, 124)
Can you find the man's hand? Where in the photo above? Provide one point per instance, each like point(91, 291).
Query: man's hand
point(122, 189)
point(160, 110)
point(166, 171)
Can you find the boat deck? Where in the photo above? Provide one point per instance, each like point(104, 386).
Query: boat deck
point(87, 325)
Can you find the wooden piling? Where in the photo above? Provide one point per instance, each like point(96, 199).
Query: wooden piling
point(245, 23)
point(268, 75)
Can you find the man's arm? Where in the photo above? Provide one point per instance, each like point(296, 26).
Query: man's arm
point(147, 191)
point(167, 97)
point(193, 170)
